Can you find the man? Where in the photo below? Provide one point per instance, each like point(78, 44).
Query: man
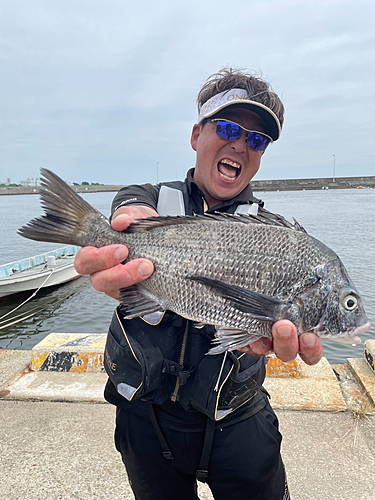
point(168, 436)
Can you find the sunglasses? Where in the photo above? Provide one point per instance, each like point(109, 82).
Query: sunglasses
point(232, 131)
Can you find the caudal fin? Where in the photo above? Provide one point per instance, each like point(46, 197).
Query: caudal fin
point(66, 214)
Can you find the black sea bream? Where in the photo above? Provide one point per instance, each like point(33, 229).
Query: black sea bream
point(240, 273)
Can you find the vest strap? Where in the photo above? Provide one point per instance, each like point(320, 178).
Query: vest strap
point(173, 368)
point(247, 209)
point(202, 472)
point(166, 452)
point(170, 201)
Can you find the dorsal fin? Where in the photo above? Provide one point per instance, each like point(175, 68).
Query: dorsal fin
point(264, 217)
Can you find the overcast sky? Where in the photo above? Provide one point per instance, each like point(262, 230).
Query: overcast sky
point(103, 90)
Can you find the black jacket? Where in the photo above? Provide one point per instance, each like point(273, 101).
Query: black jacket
point(182, 384)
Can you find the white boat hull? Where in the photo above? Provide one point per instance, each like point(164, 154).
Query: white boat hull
point(39, 276)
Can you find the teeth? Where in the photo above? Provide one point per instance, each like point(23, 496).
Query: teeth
point(231, 163)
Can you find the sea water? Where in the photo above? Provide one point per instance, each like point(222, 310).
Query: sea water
point(342, 219)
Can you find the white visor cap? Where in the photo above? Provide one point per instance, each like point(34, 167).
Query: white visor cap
point(239, 98)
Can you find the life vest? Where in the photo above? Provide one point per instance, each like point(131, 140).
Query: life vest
point(162, 355)
point(171, 202)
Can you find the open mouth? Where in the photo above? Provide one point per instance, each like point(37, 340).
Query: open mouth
point(350, 337)
point(228, 170)
point(361, 329)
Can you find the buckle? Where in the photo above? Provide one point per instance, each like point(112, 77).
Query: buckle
point(202, 475)
point(168, 455)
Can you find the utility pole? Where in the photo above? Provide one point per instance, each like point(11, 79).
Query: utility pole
point(157, 172)
point(334, 162)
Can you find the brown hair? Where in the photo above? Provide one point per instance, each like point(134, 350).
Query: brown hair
point(257, 89)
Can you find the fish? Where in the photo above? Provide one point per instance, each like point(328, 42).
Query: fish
point(239, 273)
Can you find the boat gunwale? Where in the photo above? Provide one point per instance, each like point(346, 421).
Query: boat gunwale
point(62, 253)
point(28, 274)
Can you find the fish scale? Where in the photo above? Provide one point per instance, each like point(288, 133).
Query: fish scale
point(240, 273)
point(216, 258)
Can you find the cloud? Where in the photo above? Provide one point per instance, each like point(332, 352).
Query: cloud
point(104, 91)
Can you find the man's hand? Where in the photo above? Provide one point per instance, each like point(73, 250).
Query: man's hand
point(107, 274)
point(286, 344)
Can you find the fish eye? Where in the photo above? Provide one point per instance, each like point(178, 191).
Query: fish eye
point(350, 302)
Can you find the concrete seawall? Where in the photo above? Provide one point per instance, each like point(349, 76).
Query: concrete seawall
point(78, 189)
point(51, 448)
point(314, 184)
point(69, 367)
point(272, 185)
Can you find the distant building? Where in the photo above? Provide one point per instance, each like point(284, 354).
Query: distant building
point(31, 182)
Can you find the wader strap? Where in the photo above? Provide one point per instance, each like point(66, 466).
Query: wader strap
point(167, 454)
point(202, 472)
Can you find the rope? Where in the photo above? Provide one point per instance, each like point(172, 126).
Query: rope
point(31, 296)
point(18, 315)
point(216, 388)
point(22, 318)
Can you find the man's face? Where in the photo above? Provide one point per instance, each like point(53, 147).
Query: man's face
point(224, 168)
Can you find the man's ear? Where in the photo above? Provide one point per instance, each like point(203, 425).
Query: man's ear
point(195, 136)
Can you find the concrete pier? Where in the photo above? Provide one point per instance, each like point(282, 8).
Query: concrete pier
point(57, 431)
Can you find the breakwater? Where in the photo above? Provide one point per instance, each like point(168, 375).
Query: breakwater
point(261, 185)
point(78, 189)
point(317, 183)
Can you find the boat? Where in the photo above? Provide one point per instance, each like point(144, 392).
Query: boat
point(44, 270)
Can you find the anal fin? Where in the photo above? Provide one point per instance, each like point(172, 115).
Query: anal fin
point(229, 339)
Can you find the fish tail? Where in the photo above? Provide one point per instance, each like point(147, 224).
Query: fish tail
point(66, 214)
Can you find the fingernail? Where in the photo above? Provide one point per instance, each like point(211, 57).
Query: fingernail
point(309, 339)
point(120, 216)
point(121, 254)
point(284, 330)
point(145, 269)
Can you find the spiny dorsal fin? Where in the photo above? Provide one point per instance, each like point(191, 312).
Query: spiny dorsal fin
point(264, 217)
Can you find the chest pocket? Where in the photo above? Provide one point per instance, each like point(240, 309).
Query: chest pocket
point(226, 382)
point(140, 364)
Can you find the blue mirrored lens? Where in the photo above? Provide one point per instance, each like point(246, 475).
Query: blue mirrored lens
point(257, 141)
point(229, 131)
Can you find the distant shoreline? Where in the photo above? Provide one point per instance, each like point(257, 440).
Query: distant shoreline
point(273, 185)
point(314, 184)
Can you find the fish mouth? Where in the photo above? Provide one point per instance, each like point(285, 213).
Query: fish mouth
point(350, 336)
point(357, 331)
point(228, 170)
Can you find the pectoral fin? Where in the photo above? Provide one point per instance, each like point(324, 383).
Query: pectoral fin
point(262, 307)
point(136, 304)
